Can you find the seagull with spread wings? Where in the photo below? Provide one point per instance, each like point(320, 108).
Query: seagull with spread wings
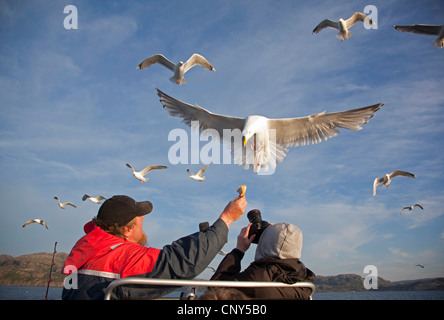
point(411, 207)
point(386, 180)
point(139, 175)
point(93, 199)
point(431, 30)
point(179, 68)
point(39, 221)
point(62, 205)
point(343, 25)
point(264, 140)
point(198, 176)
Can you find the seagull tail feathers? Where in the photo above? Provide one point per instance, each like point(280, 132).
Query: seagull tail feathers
point(439, 43)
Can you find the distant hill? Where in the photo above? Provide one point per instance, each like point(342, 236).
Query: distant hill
point(33, 270)
point(342, 283)
point(354, 282)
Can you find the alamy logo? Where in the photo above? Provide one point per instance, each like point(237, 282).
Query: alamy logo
point(371, 280)
point(70, 281)
point(372, 14)
point(71, 20)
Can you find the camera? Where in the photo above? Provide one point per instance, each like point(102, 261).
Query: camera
point(258, 225)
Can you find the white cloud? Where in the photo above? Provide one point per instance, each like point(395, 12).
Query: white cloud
point(399, 253)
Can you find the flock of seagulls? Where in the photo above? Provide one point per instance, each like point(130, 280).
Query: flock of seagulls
point(139, 175)
point(62, 205)
point(268, 138)
point(343, 27)
point(387, 179)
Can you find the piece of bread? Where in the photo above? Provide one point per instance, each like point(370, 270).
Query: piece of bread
point(241, 190)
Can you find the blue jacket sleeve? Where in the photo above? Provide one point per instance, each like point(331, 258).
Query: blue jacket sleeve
point(183, 259)
point(190, 255)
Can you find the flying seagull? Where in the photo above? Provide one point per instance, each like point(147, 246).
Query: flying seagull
point(198, 176)
point(40, 221)
point(343, 25)
point(180, 68)
point(62, 205)
point(431, 30)
point(140, 175)
point(411, 207)
point(420, 265)
point(387, 179)
point(264, 141)
point(94, 200)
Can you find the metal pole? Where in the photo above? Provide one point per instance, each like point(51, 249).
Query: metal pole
point(50, 271)
point(200, 283)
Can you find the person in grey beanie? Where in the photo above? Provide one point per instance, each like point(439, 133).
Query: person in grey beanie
point(277, 259)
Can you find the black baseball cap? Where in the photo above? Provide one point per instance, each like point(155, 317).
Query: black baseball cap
point(119, 210)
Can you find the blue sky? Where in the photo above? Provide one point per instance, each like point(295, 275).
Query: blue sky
point(75, 110)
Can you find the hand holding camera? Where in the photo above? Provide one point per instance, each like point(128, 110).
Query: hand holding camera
point(251, 233)
point(257, 224)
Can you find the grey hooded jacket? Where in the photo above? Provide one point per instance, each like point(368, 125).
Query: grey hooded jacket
point(277, 259)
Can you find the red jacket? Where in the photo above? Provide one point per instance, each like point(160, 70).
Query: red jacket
point(113, 256)
point(99, 258)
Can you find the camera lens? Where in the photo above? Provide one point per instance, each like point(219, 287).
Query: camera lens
point(257, 225)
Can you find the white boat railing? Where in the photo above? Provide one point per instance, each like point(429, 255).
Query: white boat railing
point(201, 283)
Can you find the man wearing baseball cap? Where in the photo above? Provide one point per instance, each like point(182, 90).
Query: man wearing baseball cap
point(114, 247)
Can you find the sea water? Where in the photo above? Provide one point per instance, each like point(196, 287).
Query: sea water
point(38, 293)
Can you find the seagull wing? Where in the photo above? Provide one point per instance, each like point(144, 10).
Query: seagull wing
point(207, 120)
point(43, 223)
point(201, 171)
point(130, 166)
point(101, 198)
point(29, 222)
point(188, 170)
point(149, 168)
point(357, 16)
point(197, 59)
point(375, 184)
point(401, 173)
point(69, 204)
point(157, 58)
point(404, 209)
point(420, 29)
point(85, 196)
point(418, 205)
point(317, 127)
point(327, 23)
